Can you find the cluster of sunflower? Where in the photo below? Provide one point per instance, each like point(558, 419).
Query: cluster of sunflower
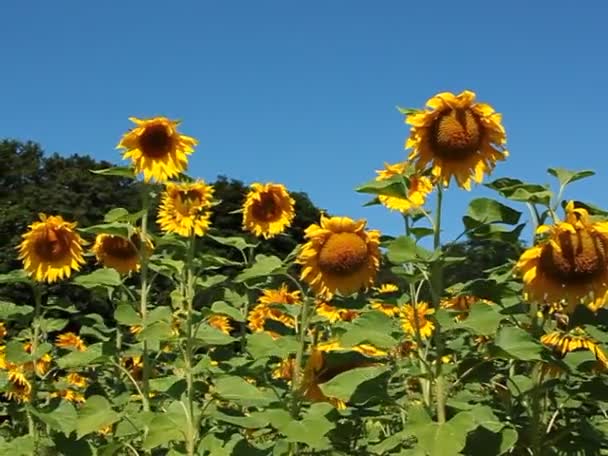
point(455, 138)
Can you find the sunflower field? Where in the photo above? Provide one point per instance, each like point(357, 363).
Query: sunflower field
point(312, 353)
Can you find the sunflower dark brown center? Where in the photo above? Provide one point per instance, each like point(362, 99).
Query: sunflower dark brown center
point(188, 202)
point(343, 254)
point(456, 134)
point(266, 209)
point(53, 244)
point(121, 248)
point(156, 141)
point(583, 257)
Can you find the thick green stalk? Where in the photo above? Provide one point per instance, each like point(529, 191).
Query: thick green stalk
point(32, 429)
point(143, 304)
point(297, 367)
point(189, 354)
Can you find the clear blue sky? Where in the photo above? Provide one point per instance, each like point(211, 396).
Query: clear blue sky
point(304, 92)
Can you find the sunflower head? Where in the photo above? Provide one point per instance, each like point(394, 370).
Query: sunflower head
point(333, 314)
point(268, 210)
point(185, 208)
point(71, 341)
point(415, 319)
point(570, 264)
point(387, 288)
point(265, 311)
point(120, 253)
point(220, 322)
point(418, 188)
point(456, 137)
point(51, 249)
point(462, 304)
point(156, 148)
point(340, 256)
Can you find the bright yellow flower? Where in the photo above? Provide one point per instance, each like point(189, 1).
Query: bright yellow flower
point(51, 249)
point(462, 304)
point(570, 265)
point(70, 396)
point(574, 340)
point(19, 392)
point(418, 189)
point(71, 341)
point(457, 137)
point(387, 309)
point(43, 363)
point(185, 208)
point(334, 314)
point(387, 288)
point(2, 330)
point(136, 329)
point(340, 256)
point(77, 380)
point(264, 310)
point(268, 210)
point(119, 253)
point(412, 319)
point(220, 322)
point(156, 148)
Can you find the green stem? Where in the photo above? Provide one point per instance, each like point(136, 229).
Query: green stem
point(143, 304)
point(189, 358)
point(32, 429)
point(436, 292)
point(297, 367)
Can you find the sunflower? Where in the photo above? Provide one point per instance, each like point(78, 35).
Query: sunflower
point(156, 148)
point(77, 380)
point(284, 369)
point(119, 253)
point(264, 309)
point(386, 308)
point(574, 340)
point(418, 188)
point(184, 208)
point(51, 249)
point(220, 322)
point(42, 364)
point(387, 288)
point(70, 341)
point(333, 313)
point(417, 318)
point(2, 330)
point(268, 210)
point(340, 255)
point(570, 264)
point(19, 392)
point(457, 137)
point(69, 395)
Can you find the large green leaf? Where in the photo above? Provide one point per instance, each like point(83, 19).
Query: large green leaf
point(20, 446)
point(518, 343)
point(209, 335)
point(162, 429)
point(517, 190)
point(262, 345)
point(264, 266)
point(394, 186)
point(235, 241)
point(92, 355)
point(311, 430)
point(15, 276)
point(124, 230)
point(8, 310)
point(566, 176)
point(125, 314)
point(62, 418)
point(483, 319)
point(236, 389)
point(105, 277)
point(343, 386)
point(95, 414)
point(446, 439)
point(404, 250)
point(483, 212)
point(370, 328)
point(121, 171)
point(222, 307)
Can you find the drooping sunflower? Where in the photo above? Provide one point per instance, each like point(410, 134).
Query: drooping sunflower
point(574, 340)
point(71, 341)
point(462, 304)
point(156, 148)
point(412, 318)
point(264, 309)
point(418, 189)
point(387, 288)
point(119, 253)
point(268, 210)
point(221, 322)
point(457, 137)
point(340, 256)
point(333, 313)
point(51, 249)
point(77, 380)
point(570, 264)
point(386, 308)
point(185, 208)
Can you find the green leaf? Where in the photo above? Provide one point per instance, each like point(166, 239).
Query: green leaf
point(509, 438)
point(221, 307)
point(163, 384)
point(62, 418)
point(15, 276)
point(209, 335)
point(487, 210)
point(483, 319)
point(235, 241)
point(566, 176)
point(344, 385)
point(125, 315)
point(95, 414)
point(15, 353)
point(446, 439)
point(156, 332)
point(405, 250)
point(310, 431)
point(53, 324)
point(10, 309)
point(518, 344)
point(114, 215)
point(516, 190)
point(92, 355)
point(394, 186)
point(211, 280)
point(264, 266)
point(253, 420)
point(484, 416)
point(371, 328)
point(104, 277)
point(121, 171)
point(163, 429)
point(20, 446)
point(236, 389)
point(262, 345)
point(120, 229)
point(157, 314)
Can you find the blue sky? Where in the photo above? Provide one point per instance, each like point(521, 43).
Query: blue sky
point(304, 92)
